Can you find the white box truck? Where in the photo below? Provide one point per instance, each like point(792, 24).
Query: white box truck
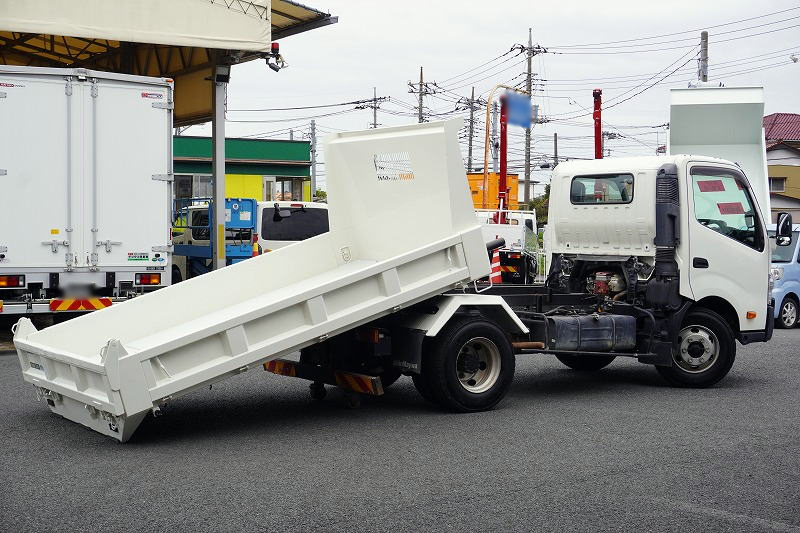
point(661, 259)
point(85, 163)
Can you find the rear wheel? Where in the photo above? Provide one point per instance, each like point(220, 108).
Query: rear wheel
point(586, 363)
point(787, 316)
point(706, 350)
point(469, 366)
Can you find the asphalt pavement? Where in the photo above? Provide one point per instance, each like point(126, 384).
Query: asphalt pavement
point(614, 450)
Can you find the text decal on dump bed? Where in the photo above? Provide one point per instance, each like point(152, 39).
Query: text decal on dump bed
point(156, 96)
point(395, 166)
point(138, 256)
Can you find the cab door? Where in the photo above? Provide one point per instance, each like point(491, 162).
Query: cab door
point(729, 254)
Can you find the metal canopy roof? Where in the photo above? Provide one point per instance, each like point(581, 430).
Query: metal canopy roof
point(179, 39)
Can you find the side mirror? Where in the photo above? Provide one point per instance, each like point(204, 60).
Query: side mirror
point(783, 229)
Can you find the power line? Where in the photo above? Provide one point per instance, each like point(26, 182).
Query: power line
point(680, 32)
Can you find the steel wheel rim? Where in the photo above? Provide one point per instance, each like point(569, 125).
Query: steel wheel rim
point(788, 313)
point(478, 365)
point(698, 349)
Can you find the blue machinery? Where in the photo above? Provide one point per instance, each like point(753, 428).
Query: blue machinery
point(192, 216)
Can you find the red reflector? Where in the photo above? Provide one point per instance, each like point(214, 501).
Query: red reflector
point(12, 281)
point(147, 279)
point(514, 256)
point(295, 205)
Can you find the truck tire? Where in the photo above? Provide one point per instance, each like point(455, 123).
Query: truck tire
point(787, 315)
point(467, 367)
point(706, 350)
point(586, 363)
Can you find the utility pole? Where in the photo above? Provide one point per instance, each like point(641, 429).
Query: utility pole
point(530, 51)
point(421, 89)
point(495, 144)
point(313, 158)
point(527, 177)
point(291, 135)
point(374, 108)
point(702, 72)
point(421, 94)
point(471, 129)
point(555, 150)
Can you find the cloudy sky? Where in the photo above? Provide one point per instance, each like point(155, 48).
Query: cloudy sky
point(630, 47)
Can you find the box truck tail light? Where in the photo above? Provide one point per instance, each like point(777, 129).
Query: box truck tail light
point(13, 281)
point(147, 279)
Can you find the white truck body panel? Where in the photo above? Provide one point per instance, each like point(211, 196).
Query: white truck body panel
point(124, 360)
point(80, 149)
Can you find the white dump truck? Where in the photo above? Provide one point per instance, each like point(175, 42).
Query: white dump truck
point(85, 164)
point(662, 259)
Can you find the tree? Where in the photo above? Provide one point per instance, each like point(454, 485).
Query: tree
point(321, 195)
point(540, 205)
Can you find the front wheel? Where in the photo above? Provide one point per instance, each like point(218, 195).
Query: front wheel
point(787, 316)
point(469, 366)
point(705, 352)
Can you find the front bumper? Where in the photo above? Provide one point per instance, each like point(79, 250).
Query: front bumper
point(746, 337)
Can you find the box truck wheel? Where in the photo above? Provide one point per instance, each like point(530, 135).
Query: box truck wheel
point(705, 351)
point(586, 363)
point(787, 317)
point(468, 366)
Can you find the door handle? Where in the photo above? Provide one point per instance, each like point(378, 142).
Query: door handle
point(700, 262)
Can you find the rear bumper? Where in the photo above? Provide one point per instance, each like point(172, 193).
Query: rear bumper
point(746, 337)
point(32, 307)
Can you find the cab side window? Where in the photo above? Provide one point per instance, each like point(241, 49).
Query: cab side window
point(602, 189)
point(722, 203)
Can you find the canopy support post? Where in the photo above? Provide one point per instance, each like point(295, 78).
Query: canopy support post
point(217, 219)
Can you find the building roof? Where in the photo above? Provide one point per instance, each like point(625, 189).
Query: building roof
point(782, 127)
point(275, 157)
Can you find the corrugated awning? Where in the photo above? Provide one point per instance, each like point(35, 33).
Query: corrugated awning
point(179, 39)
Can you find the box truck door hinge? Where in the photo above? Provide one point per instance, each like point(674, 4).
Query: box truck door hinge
point(166, 248)
point(68, 88)
point(163, 177)
point(163, 105)
point(94, 88)
point(3, 172)
point(108, 244)
point(54, 244)
point(3, 249)
point(2, 94)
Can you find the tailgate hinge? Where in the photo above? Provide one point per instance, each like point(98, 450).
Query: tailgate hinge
point(167, 248)
point(163, 105)
point(108, 244)
point(163, 177)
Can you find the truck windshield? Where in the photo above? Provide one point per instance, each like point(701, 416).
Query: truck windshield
point(301, 224)
point(784, 254)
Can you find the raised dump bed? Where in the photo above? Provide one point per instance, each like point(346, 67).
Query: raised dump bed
point(402, 229)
